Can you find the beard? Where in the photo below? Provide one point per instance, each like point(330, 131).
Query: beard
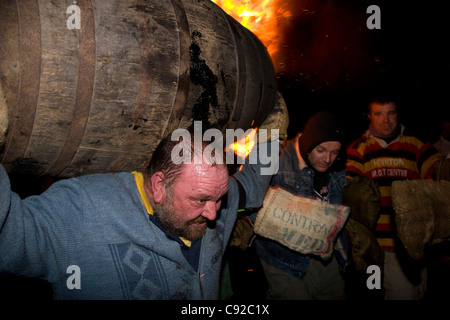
point(188, 230)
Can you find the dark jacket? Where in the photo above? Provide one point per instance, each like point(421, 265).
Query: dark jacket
point(296, 177)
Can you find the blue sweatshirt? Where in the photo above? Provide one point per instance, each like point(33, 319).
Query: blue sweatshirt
point(100, 224)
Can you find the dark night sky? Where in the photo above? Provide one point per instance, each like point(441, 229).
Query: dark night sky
point(329, 59)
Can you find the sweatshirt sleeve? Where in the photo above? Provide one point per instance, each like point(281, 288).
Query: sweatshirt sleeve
point(355, 163)
point(39, 233)
point(261, 164)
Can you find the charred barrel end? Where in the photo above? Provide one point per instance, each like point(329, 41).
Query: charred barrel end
point(135, 73)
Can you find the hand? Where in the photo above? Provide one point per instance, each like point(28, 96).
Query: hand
point(3, 117)
point(363, 197)
point(442, 170)
point(278, 118)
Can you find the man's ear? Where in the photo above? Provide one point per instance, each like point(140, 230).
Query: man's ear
point(158, 187)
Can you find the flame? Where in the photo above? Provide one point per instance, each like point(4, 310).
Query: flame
point(259, 16)
point(244, 146)
point(263, 18)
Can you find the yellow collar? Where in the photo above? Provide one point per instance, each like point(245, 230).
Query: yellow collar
point(139, 179)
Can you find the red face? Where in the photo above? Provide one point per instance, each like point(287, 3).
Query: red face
point(195, 198)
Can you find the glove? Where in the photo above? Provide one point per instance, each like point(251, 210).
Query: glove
point(422, 213)
point(365, 250)
point(442, 169)
point(277, 119)
point(363, 197)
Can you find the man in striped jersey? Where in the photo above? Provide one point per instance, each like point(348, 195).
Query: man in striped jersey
point(386, 153)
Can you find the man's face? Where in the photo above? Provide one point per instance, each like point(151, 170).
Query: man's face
point(324, 155)
point(384, 118)
point(194, 199)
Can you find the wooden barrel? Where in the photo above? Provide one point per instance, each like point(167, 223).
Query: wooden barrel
point(99, 96)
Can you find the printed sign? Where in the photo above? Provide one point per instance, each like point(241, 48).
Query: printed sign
point(302, 224)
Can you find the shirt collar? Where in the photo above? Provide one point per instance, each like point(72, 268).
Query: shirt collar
point(139, 179)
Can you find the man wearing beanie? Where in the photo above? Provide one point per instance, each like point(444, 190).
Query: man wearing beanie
point(309, 167)
point(385, 153)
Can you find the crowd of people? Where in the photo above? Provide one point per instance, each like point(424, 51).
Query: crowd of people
point(163, 233)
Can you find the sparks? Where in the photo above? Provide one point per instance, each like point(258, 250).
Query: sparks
point(262, 17)
point(244, 146)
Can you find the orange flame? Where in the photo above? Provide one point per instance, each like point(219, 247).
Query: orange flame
point(244, 146)
point(263, 18)
point(259, 16)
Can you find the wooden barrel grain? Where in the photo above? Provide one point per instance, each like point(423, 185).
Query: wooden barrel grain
point(100, 97)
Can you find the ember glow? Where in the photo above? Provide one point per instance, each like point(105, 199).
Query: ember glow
point(244, 146)
point(262, 17)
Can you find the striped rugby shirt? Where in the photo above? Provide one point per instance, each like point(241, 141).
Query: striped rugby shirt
point(406, 157)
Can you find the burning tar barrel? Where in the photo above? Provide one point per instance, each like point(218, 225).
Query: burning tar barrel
point(93, 86)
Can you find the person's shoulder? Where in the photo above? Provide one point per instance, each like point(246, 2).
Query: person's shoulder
point(290, 143)
point(361, 140)
point(409, 134)
point(98, 181)
point(412, 138)
point(101, 177)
